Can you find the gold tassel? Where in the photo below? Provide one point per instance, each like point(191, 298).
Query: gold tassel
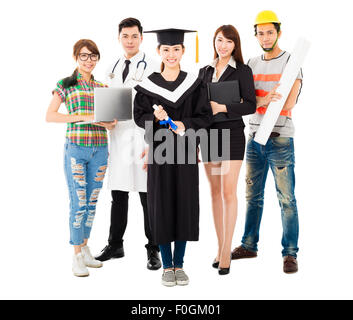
point(197, 47)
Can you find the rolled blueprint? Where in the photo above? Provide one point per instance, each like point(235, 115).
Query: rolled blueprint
point(288, 78)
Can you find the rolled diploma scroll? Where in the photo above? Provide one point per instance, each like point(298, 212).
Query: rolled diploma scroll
point(155, 107)
point(288, 78)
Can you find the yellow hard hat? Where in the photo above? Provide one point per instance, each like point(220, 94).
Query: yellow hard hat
point(266, 16)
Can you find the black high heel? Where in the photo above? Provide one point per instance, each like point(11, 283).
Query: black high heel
point(215, 264)
point(224, 271)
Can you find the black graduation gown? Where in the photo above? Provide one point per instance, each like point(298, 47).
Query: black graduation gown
point(172, 188)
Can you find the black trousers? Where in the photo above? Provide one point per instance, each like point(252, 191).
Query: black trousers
point(118, 218)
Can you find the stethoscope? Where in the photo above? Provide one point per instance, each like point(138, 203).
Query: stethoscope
point(143, 61)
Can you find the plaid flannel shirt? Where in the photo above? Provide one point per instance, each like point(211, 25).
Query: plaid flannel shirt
point(79, 100)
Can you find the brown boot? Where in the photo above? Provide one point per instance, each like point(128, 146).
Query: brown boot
point(241, 253)
point(290, 264)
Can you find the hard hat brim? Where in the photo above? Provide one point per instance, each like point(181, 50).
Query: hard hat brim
point(266, 22)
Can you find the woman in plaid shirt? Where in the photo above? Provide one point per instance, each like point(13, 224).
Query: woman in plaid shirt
point(86, 150)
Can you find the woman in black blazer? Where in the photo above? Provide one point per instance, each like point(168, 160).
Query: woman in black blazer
point(223, 170)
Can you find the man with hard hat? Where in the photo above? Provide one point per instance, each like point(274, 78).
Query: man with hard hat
point(278, 153)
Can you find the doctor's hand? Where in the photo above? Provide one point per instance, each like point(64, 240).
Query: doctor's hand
point(160, 114)
point(108, 125)
point(144, 154)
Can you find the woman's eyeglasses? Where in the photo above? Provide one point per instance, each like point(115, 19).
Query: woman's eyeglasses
point(85, 56)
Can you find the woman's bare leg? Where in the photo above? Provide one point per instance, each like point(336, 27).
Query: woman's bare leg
point(217, 203)
point(230, 206)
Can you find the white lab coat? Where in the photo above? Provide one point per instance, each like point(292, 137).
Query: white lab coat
point(127, 143)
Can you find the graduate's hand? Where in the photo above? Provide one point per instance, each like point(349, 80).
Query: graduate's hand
point(216, 107)
point(144, 154)
point(160, 114)
point(180, 126)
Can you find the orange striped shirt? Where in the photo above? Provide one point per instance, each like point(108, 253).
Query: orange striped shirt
point(263, 93)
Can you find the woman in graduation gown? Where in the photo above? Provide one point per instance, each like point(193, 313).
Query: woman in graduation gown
point(173, 184)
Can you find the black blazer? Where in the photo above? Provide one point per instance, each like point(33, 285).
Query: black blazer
point(244, 75)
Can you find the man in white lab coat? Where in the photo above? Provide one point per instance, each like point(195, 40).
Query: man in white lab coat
point(127, 146)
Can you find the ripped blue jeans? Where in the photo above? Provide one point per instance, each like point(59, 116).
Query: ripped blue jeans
point(85, 169)
point(277, 154)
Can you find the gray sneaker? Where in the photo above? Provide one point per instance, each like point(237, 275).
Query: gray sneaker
point(181, 278)
point(168, 278)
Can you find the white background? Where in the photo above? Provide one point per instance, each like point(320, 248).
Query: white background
point(36, 51)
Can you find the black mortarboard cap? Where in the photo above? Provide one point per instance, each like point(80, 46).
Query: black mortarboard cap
point(170, 37)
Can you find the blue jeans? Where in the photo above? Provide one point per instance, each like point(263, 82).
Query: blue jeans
point(166, 252)
point(277, 154)
point(85, 169)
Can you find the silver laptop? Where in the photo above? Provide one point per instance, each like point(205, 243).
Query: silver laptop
point(110, 104)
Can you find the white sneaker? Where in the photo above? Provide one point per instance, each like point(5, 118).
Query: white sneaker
point(78, 266)
point(89, 260)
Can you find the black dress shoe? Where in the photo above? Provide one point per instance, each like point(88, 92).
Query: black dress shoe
point(153, 261)
point(215, 264)
point(110, 252)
